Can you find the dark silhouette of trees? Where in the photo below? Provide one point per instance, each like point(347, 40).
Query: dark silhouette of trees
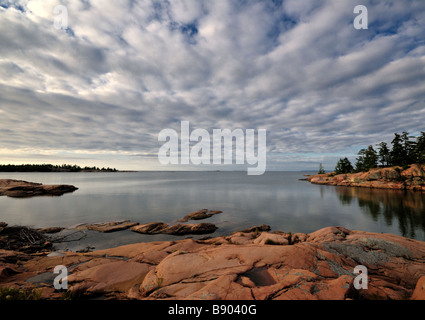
point(368, 159)
point(384, 156)
point(50, 168)
point(405, 150)
point(397, 153)
point(344, 166)
point(420, 148)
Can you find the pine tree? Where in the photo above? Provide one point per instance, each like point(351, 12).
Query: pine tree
point(367, 159)
point(384, 154)
point(343, 166)
point(371, 158)
point(409, 149)
point(398, 153)
point(360, 160)
point(420, 148)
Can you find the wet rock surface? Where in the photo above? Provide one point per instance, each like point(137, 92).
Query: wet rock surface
point(108, 226)
point(177, 229)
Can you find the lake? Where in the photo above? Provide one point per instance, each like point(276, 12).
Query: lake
point(278, 199)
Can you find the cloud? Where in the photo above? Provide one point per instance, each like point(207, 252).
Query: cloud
point(123, 71)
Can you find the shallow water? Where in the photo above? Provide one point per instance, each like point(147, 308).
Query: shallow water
point(278, 199)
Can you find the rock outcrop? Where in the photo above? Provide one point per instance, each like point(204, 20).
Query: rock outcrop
point(315, 266)
point(108, 226)
point(176, 229)
point(200, 214)
point(159, 227)
point(411, 178)
point(21, 189)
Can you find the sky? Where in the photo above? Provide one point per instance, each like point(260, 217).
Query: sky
point(99, 90)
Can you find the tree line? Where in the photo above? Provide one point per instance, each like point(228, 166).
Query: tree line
point(50, 168)
point(404, 150)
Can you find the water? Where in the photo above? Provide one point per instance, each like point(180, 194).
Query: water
point(278, 199)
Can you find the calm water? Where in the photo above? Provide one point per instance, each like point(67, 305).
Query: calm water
point(278, 199)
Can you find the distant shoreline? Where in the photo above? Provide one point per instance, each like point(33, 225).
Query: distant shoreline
point(52, 168)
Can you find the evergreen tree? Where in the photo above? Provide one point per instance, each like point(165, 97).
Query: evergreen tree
point(360, 160)
point(420, 148)
point(371, 158)
point(343, 166)
point(398, 154)
point(384, 154)
point(409, 149)
point(405, 150)
point(368, 159)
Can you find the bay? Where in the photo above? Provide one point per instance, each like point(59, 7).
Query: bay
point(278, 199)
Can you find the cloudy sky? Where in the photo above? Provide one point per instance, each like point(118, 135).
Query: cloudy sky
point(100, 91)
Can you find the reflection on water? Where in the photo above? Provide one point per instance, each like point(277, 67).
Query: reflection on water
point(406, 207)
point(278, 199)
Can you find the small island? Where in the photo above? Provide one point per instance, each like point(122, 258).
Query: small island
point(411, 178)
point(401, 167)
point(23, 189)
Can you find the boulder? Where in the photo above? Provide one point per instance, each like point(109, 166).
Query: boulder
point(150, 228)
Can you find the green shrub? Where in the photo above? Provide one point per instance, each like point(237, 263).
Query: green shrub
point(9, 293)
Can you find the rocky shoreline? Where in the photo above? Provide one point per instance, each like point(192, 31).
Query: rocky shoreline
point(396, 178)
point(251, 264)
